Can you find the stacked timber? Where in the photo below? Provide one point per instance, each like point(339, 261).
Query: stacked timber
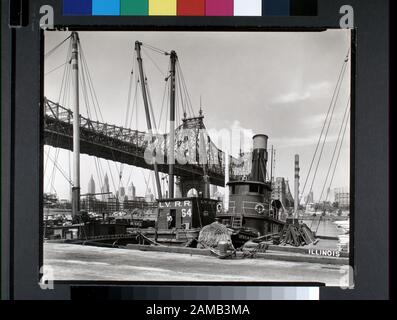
point(296, 235)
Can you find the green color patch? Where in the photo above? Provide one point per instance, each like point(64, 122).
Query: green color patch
point(134, 7)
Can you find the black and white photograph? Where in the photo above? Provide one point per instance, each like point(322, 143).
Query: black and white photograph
point(197, 156)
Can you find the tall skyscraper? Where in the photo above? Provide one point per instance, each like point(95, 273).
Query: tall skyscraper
point(131, 192)
point(149, 196)
point(309, 197)
point(91, 186)
point(105, 188)
point(121, 193)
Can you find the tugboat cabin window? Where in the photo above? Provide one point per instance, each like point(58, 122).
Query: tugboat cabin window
point(232, 189)
point(254, 188)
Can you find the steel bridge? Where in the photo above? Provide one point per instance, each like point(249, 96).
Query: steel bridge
point(128, 146)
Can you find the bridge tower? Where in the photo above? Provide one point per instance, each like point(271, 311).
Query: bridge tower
point(195, 127)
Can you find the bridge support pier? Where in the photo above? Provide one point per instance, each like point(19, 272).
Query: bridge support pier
point(186, 184)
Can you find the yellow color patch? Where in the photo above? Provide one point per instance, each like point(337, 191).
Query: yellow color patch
point(162, 7)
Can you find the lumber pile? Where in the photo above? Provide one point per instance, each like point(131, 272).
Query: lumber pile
point(296, 235)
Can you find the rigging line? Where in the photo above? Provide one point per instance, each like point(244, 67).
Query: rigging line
point(52, 174)
point(134, 107)
point(155, 49)
point(184, 91)
point(162, 104)
point(55, 69)
point(185, 86)
point(129, 178)
point(46, 161)
point(326, 133)
point(56, 161)
point(46, 55)
point(70, 166)
point(146, 182)
point(60, 170)
point(168, 106)
point(99, 176)
point(64, 91)
point(95, 97)
point(97, 173)
point(165, 102)
point(111, 176)
point(127, 117)
point(336, 147)
point(153, 183)
point(129, 96)
point(84, 74)
point(323, 127)
point(180, 91)
point(90, 82)
point(85, 91)
point(339, 152)
point(85, 95)
point(154, 62)
point(66, 71)
point(150, 105)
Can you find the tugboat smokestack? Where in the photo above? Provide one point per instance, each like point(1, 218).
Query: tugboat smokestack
point(259, 158)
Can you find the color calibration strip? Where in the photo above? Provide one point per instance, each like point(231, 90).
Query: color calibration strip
point(248, 8)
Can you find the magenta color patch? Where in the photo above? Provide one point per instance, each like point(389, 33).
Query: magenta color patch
point(219, 8)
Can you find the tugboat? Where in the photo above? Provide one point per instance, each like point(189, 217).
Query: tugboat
point(250, 213)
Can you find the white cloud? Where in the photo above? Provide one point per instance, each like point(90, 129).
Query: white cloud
point(315, 90)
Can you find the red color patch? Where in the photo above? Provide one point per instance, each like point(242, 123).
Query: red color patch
point(191, 8)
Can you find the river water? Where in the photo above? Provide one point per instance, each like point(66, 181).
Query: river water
point(325, 228)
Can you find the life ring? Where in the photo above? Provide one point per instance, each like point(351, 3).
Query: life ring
point(219, 207)
point(260, 208)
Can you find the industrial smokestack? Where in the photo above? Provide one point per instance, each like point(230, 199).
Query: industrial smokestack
point(296, 198)
point(259, 158)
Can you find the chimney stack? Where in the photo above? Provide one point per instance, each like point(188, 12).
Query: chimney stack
point(259, 158)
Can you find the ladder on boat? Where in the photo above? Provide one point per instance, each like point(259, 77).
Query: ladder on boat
point(237, 221)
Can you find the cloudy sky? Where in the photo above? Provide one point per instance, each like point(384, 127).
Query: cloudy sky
point(276, 83)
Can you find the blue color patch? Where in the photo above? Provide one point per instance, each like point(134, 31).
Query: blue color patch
point(77, 7)
point(105, 7)
point(276, 8)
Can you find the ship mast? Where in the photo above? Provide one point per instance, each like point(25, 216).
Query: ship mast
point(171, 156)
point(147, 112)
point(76, 125)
